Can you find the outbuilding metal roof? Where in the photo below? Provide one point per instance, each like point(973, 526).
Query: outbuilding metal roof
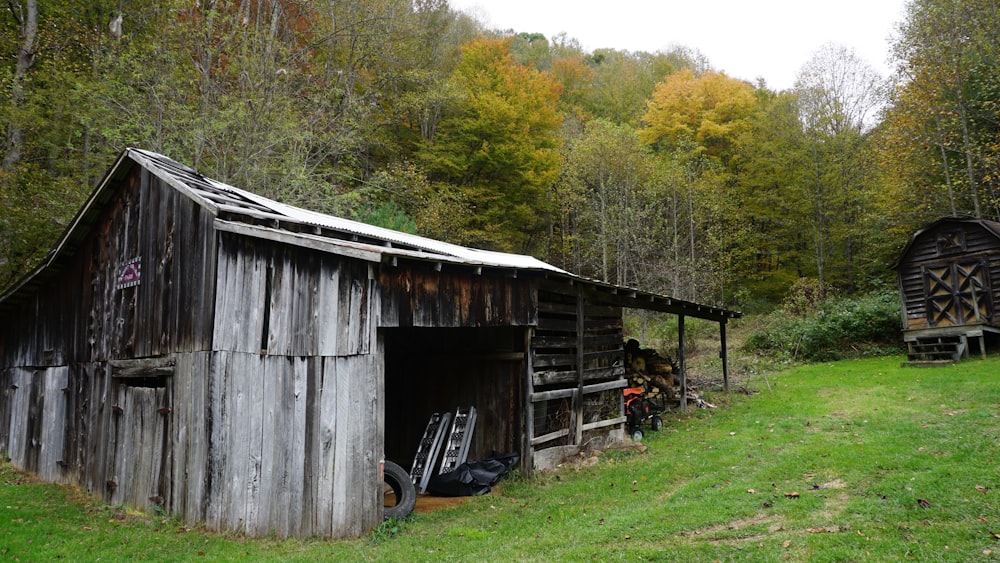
point(250, 214)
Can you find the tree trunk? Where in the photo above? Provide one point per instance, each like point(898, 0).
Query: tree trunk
point(27, 20)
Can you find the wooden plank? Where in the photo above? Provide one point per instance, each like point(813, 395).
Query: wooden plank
point(550, 436)
point(327, 312)
point(605, 423)
point(143, 367)
point(342, 487)
point(554, 377)
point(527, 406)
point(326, 446)
point(356, 438)
point(372, 395)
point(260, 405)
point(540, 396)
point(240, 374)
point(313, 242)
point(606, 386)
point(19, 396)
point(296, 451)
point(218, 444)
point(311, 459)
point(53, 423)
point(378, 425)
point(199, 442)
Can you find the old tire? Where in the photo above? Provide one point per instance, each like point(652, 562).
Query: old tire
point(396, 478)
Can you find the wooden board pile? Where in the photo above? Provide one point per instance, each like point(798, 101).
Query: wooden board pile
point(658, 375)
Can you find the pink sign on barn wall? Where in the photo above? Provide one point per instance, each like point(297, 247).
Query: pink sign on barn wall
point(129, 274)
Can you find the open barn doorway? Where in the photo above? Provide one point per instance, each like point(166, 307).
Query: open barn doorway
point(429, 370)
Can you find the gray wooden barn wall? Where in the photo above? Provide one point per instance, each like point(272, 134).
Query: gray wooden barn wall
point(285, 440)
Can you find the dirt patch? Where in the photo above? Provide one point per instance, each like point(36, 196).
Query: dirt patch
point(428, 503)
point(736, 531)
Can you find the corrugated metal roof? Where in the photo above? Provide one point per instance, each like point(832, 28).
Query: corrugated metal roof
point(252, 204)
point(239, 210)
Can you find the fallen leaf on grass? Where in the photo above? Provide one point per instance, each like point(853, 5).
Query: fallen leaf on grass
point(981, 489)
point(923, 503)
point(786, 543)
point(996, 535)
point(751, 491)
point(792, 495)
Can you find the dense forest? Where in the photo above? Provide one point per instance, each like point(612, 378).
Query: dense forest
point(642, 169)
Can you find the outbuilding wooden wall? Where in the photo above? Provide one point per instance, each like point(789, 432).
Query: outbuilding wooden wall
point(294, 396)
point(58, 342)
point(951, 264)
point(239, 383)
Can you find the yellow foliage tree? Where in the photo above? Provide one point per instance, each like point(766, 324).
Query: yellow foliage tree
point(703, 113)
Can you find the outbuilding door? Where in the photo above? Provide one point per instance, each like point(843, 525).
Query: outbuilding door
point(958, 293)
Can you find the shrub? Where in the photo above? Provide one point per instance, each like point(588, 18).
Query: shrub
point(835, 328)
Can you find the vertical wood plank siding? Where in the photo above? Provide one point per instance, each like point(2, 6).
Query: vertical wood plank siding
point(259, 423)
point(423, 297)
point(296, 438)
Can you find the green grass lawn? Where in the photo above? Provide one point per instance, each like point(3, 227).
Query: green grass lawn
point(849, 461)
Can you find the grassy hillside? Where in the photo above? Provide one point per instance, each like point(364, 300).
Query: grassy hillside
point(855, 460)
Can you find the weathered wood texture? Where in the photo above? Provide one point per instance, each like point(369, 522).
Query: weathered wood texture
point(576, 376)
point(295, 450)
point(949, 275)
point(284, 300)
point(420, 296)
point(83, 316)
point(238, 383)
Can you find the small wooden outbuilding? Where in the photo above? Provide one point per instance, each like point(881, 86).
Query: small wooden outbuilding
point(247, 364)
point(949, 276)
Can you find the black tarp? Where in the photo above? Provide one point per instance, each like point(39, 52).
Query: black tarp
point(472, 477)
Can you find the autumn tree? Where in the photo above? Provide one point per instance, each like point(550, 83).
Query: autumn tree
point(499, 144)
point(944, 120)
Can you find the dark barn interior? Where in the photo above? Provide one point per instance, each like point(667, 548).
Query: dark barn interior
point(430, 370)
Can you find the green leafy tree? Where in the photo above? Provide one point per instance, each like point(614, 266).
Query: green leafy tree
point(946, 119)
point(499, 144)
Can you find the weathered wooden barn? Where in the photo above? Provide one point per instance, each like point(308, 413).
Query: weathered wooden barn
point(949, 276)
point(247, 364)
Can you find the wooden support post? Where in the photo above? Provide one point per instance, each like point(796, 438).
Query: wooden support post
point(724, 354)
point(681, 362)
point(528, 433)
point(581, 327)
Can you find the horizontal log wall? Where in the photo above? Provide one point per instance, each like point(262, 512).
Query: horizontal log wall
point(568, 397)
point(924, 250)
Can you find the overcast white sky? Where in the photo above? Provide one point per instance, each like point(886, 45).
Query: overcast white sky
point(744, 38)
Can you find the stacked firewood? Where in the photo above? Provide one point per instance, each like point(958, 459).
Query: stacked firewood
point(658, 375)
point(645, 368)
